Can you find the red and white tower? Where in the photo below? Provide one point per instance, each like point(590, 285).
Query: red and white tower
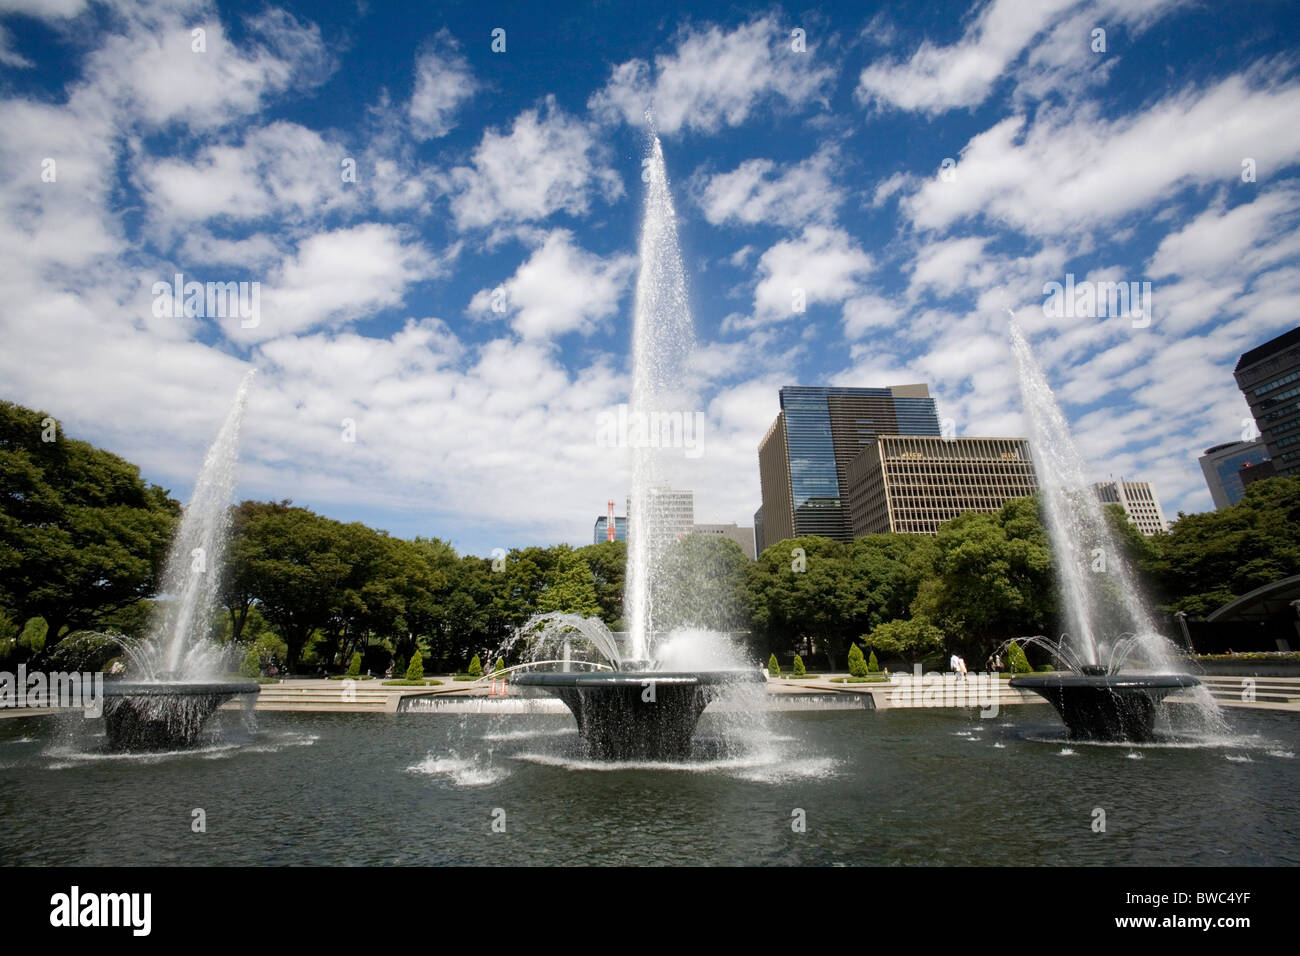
point(611, 528)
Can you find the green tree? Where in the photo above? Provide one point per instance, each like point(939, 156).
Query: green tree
point(913, 639)
point(608, 562)
point(857, 663)
point(773, 666)
point(1017, 663)
point(81, 535)
point(416, 670)
point(500, 666)
point(573, 590)
point(798, 669)
point(802, 588)
point(701, 584)
point(1209, 559)
point(475, 667)
point(873, 665)
point(993, 578)
point(354, 668)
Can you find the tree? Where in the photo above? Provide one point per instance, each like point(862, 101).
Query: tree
point(1209, 559)
point(608, 563)
point(915, 638)
point(798, 668)
point(873, 665)
point(773, 666)
point(354, 668)
point(857, 663)
point(701, 583)
point(416, 670)
point(993, 578)
point(1017, 662)
point(475, 667)
point(81, 535)
point(500, 666)
point(802, 588)
point(573, 591)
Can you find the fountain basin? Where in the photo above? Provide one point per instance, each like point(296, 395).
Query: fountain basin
point(1108, 707)
point(164, 715)
point(638, 715)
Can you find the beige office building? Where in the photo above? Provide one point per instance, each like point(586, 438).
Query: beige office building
point(914, 483)
point(1139, 501)
point(733, 532)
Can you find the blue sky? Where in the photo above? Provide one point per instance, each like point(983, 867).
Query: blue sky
point(518, 173)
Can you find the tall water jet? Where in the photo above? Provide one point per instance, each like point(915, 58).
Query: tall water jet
point(662, 339)
point(1107, 621)
point(173, 686)
point(639, 711)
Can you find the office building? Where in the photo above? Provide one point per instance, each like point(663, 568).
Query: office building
point(915, 483)
point(1269, 377)
point(1139, 501)
point(672, 515)
point(803, 459)
point(601, 532)
point(1227, 468)
point(733, 532)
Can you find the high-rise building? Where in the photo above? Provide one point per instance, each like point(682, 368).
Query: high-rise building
point(803, 459)
point(1223, 466)
point(1269, 377)
point(914, 483)
point(734, 532)
point(1139, 501)
point(672, 513)
point(601, 532)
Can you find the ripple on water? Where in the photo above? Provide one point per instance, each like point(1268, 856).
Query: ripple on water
point(461, 771)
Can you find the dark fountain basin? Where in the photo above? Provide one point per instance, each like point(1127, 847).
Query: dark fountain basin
point(164, 715)
point(1108, 707)
point(637, 715)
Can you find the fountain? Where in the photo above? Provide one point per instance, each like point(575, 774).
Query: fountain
point(1096, 697)
point(639, 711)
point(178, 690)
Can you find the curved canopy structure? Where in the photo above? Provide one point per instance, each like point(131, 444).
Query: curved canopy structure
point(1262, 604)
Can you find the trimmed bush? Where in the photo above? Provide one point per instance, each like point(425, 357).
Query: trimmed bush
point(501, 665)
point(798, 669)
point(475, 667)
point(354, 669)
point(873, 666)
point(773, 666)
point(1016, 660)
point(416, 670)
point(857, 663)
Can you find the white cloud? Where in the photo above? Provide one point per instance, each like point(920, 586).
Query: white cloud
point(822, 265)
point(443, 81)
point(548, 162)
point(560, 288)
point(1074, 170)
point(799, 193)
point(716, 78)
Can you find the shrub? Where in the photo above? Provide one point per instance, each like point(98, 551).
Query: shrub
point(773, 666)
point(475, 667)
point(416, 670)
point(873, 666)
point(1017, 661)
point(501, 665)
point(264, 649)
point(798, 669)
point(354, 669)
point(857, 663)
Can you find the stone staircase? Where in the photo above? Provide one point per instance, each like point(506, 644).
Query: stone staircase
point(330, 695)
point(1271, 693)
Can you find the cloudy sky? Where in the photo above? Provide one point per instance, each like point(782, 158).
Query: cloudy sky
point(388, 177)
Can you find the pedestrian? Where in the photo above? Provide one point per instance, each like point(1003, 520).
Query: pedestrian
point(953, 664)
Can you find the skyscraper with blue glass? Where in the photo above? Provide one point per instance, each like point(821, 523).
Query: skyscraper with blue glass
point(1269, 377)
point(804, 458)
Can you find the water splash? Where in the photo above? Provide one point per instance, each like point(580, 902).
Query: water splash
point(179, 645)
point(662, 340)
point(1096, 603)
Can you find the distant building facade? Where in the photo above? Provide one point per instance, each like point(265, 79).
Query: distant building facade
point(1269, 377)
point(601, 532)
point(732, 532)
point(1226, 469)
point(672, 514)
point(804, 458)
point(913, 484)
point(1139, 501)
